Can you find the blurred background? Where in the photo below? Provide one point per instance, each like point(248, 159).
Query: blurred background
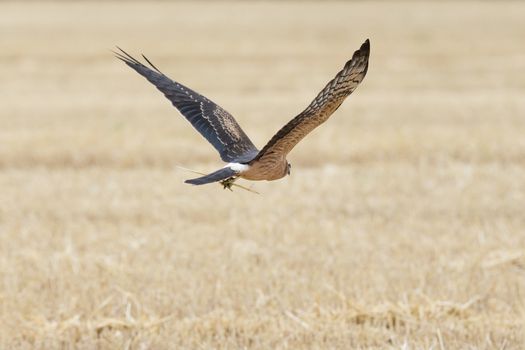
point(401, 225)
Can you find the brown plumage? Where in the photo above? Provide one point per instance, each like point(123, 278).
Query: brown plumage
point(223, 132)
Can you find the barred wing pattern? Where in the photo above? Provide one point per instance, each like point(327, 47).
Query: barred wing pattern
point(326, 102)
point(214, 123)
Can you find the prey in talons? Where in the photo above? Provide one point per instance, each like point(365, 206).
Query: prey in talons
point(229, 182)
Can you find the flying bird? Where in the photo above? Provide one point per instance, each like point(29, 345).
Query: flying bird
point(224, 133)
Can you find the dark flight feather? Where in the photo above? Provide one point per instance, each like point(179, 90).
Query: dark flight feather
point(214, 123)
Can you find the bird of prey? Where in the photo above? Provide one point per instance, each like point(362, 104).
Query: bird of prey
point(234, 147)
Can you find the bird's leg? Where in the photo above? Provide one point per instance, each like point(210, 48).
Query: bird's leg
point(228, 183)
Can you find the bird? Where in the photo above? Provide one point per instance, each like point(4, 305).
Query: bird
point(235, 148)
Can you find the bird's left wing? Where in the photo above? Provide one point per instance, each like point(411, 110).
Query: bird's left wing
point(326, 102)
point(213, 122)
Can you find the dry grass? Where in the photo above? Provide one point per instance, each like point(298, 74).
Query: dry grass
point(402, 225)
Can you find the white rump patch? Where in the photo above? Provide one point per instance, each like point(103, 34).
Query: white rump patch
point(238, 167)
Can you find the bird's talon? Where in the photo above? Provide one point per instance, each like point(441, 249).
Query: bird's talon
point(228, 183)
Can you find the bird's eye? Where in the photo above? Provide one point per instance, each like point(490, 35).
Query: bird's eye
point(289, 168)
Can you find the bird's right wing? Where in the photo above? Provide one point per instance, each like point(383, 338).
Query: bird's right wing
point(321, 108)
point(214, 123)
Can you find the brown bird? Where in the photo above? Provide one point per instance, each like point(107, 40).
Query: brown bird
point(222, 131)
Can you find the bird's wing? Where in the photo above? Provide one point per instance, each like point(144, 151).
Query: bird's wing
point(326, 102)
point(214, 123)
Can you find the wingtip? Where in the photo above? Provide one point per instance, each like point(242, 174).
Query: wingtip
point(366, 45)
point(364, 51)
point(113, 50)
point(126, 57)
point(119, 49)
point(151, 64)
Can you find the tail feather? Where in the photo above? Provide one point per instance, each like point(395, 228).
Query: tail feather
point(218, 175)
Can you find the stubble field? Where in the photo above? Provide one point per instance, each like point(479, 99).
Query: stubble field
point(401, 226)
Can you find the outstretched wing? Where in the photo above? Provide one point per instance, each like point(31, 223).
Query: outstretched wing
point(214, 123)
point(326, 102)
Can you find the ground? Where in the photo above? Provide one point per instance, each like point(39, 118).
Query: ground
point(401, 226)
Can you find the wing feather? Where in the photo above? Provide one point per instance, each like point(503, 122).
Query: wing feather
point(211, 121)
point(320, 109)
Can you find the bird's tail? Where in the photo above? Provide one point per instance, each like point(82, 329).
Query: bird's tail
point(218, 175)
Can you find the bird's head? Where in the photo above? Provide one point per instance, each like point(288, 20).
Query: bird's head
point(288, 168)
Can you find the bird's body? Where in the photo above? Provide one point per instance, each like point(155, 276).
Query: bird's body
point(273, 169)
point(224, 133)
